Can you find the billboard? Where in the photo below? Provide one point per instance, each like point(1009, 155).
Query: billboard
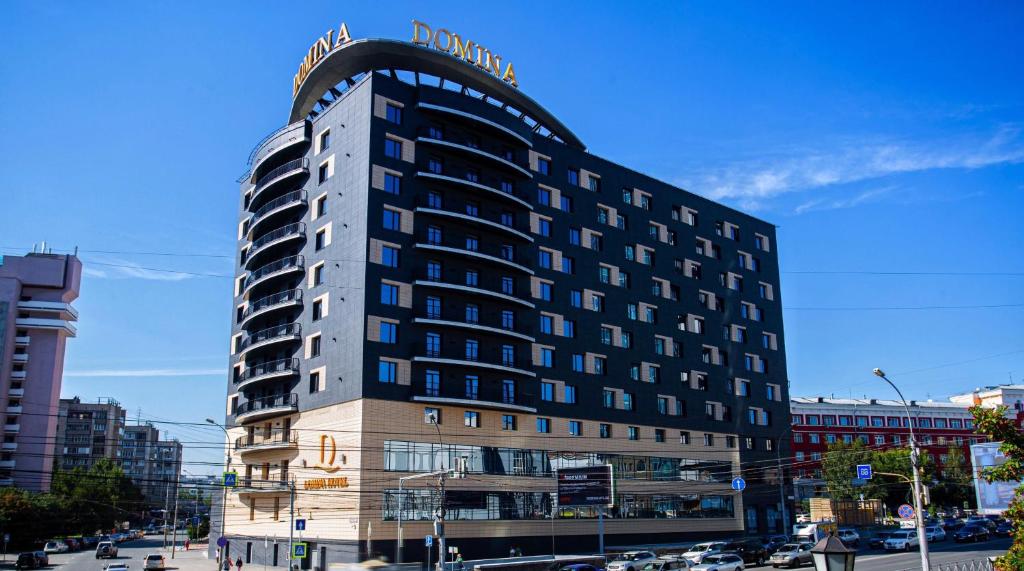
point(995, 497)
point(590, 486)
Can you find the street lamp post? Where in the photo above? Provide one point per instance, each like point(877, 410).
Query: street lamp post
point(227, 467)
point(782, 488)
point(915, 468)
point(399, 547)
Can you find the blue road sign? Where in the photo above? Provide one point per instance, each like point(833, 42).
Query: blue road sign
point(864, 471)
point(298, 551)
point(300, 525)
point(428, 540)
point(906, 511)
point(739, 484)
point(230, 479)
point(222, 541)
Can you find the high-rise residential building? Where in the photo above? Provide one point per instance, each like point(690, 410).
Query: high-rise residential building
point(88, 432)
point(36, 319)
point(1010, 395)
point(423, 242)
point(879, 424)
point(153, 464)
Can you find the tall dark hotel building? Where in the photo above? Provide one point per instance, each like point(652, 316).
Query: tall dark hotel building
point(424, 240)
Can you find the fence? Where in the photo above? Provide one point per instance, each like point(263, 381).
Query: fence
point(972, 565)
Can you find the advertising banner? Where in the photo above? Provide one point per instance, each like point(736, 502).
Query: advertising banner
point(590, 486)
point(993, 498)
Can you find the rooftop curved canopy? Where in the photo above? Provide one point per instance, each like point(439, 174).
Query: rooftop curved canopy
point(368, 55)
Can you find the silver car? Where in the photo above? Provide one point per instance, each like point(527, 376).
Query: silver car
point(631, 561)
point(792, 555)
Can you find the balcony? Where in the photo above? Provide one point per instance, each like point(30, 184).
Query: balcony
point(281, 204)
point(475, 291)
point(264, 371)
point(7, 464)
point(265, 305)
point(61, 325)
point(491, 192)
point(9, 445)
point(284, 234)
point(486, 254)
point(426, 355)
point(476, 120)
point(260, 440)
point(14, 409)
point(265, 407)
point(485, 327)
point(270, 336)
point(284, 266)
point(475, 153)
point(285, 138)
point(22, 341)
point(6, 481)
point(424, 208)
point(19, 358)
point(254, 486)
point(12, 428)
point(512, 405)
point(16, 392)
point(63, 310)
point(284, 172)
point(18, 375)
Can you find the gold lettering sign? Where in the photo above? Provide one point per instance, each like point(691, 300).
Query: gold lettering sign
point(449, 42)
point(325, 483)
point(317, 52)
point(328, 452)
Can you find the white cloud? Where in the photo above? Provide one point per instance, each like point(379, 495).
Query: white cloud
point(144, 373)
point(123, 269)
point(753, 182)
point(847, 202)
point(93, 272)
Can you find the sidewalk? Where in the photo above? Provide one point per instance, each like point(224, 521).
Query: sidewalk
point(192, 560)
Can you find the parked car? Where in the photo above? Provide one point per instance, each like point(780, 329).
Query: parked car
point(26, 560)
point(902, 541)
point(42, 559)
point(934, 533)
point(697, 553)
point(90, 541)
point(849, 537)
point(631, 561)
point(772, 543)
point(803, 518)
point(792, 555)
point(972, 533)
point(106, 549)
point(55, 547)
point(72, 543)
point(667, 563)
point(750, 550)
point(116, 567)
point(579, 567)
point(721, 562)
point(1004, 529)
point(877, 541)
point(155, 561)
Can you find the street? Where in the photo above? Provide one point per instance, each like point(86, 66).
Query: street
point(132, 553)
point(943, 552)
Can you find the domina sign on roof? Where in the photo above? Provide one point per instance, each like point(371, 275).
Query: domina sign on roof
point(422, 35)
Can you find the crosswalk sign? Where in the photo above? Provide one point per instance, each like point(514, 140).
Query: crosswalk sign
point(299, 551)
point(230, 479)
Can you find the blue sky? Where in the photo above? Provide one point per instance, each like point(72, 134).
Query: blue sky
point(878, 137)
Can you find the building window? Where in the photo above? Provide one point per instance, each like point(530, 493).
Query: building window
point(393, 148)
point(543, 197)
point(574, 236)
point(684, 437)
point(392, 183)
point(508, 319)
point(388, 294)
point(544, 425)
point(576, 298)
point(393, 114)
point(508, 391)
point(507, 186)
point(433, 307)
point(544, 227)
point(570, 394)
point(321, 206)
point(325, 140)
point(544, 259)
point(318, 275)
point(432, 383)
point(574, 177)
point(577, 363)
point(389, 256)
point(508, 285)
point(434, 271)
point(472, 350)
point(323, 173)
point(314, 346)
point(633, 432)
point(546, 324)
point(314, 382)
point(472, 387)
point(547, 391)
point(545, 291)
point(318, 310)
point(627, 401)
point(431, 415)
point(320, 240)
point(608, 398)
point(435, 165)
point(392, 219)
point(566, 204)
point(388, 332)
point(472, 243)
point(472, 313)
point(547, 357)
point(575, 428)
point(568, 328)
point(543, 165)
point(471, 419)
point(508, 422)
point(387, 372)
point(433, 346)
point(605, 431)
point(709, 439)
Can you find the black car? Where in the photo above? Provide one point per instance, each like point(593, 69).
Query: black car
point(750, 550)
point(878, 540)
point(972, 533)
point(1004, 529)
point(774, 542)
point(27, 560)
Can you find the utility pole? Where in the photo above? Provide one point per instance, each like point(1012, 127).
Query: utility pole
point(441, 543)
point(223, 487)
point(291, 519)
point(167, 510)
point(177, 481)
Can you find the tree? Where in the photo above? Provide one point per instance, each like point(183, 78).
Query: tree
point(839, 467)
point(994, 424)
point(954, 485)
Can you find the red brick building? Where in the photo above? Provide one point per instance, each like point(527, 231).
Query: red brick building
point(879, 424)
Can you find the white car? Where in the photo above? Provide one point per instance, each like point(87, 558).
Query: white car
point(697, 553)
point(631, 561)
point(934, 533)
point(849, 537)
point(55, 547)
point(902, 541)
point(116, 567)
point(792, 555)
point(155, 561)
point(668, 563)
point(721, 562)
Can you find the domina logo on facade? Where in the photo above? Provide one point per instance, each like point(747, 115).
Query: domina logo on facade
point(317, 52)
point(467, 51)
